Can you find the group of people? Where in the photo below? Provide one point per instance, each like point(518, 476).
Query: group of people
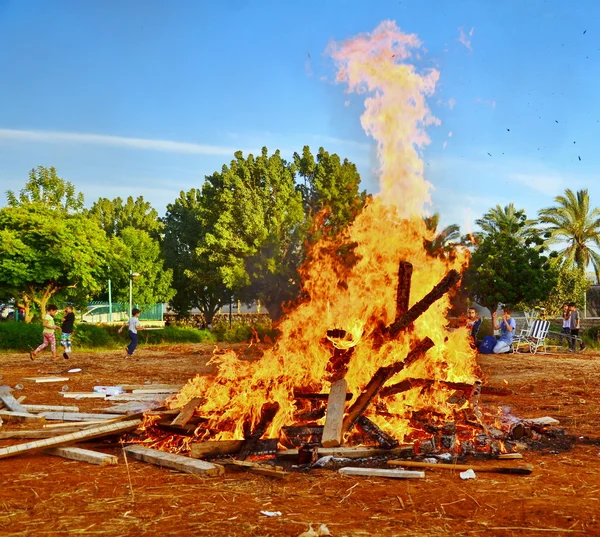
point(507, 327)
point(67, 326)
point(571, 326)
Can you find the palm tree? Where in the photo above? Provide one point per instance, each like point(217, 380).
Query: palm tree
point(444, 241)
point(507, 220)
point(572, 222)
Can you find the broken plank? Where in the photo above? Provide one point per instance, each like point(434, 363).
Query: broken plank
point(350, 452)
point(147, 391)
point(130, 407)
point(50, 408)
point(199, 450)
point(175, 462)
point(83, 395)
point(188, 411)
point(11, 403)
point(39, 380)
point(77, 425)
point(130, 387)
point(267, 414)
point(75, 416)
point(83, 455)
point(139, 397)
point(515, 470)
point(19, 417)
point(70, 438)
point(334, 418)
point(382, 472)
point(257, 468)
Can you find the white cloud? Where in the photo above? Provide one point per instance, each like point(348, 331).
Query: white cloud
point(465, 39)
point(167, 146)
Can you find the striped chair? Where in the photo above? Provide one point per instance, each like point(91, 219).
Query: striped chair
point(534, 337)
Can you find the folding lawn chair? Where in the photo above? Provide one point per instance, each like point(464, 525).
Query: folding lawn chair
point(533, 337)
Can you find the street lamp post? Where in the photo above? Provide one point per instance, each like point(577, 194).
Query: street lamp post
point(109, 301)
point(132, 275)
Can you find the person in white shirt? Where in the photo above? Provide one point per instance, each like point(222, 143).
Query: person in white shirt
point(134, 326)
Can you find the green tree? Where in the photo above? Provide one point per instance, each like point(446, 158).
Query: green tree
point(444, 241)
point(197, 280)
point(46, 189)
point(137, 227)
point(44, 252)
point(507, 220)
point(505, 269)
point(330, 191)
point(571, 286)
point(572, 222)
point(115, 215)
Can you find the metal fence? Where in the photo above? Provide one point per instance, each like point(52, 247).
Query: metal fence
point(103, 312)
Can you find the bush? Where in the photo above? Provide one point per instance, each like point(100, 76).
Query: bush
point(94, 336)
point(176, 334)
point(20, 336)
point(242, 332)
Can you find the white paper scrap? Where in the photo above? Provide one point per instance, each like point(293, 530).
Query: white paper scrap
point(271, 513)
point(468, 474)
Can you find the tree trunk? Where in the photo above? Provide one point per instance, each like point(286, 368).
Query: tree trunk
point(275, 309)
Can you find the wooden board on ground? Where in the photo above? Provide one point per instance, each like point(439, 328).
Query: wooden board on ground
point(75, 416)
point(19, 417)
point(349, 452)
point(175, 462)
point(83, 395)
point(257, 468)
point(77, 425)
point(212, 448)
point(50, 408)
point(146, 391)
point(11, 403)
point(188, 411)
point(336, 403)
point(131, 407)
point(71, 438)
point(39, 380)
point(83, 455)
point(130, 387)
point(382, 472)
point(139, 397)
point(38, 433)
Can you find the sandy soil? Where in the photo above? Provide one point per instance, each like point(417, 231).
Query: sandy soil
point(44, 495)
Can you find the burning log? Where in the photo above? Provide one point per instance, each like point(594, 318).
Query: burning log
point(405, 320)
point(310, 415)
point(408, 384)
point(267, 414)
point(317, 396)
point(405, 270)
point(188, 411)
point(299, 435)
point(382, 375)
point(383, 439)
point(337, 367)
point(216, 448)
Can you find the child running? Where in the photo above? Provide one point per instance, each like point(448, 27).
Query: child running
point(134, 326)
point(67, 331)
point(48, 332)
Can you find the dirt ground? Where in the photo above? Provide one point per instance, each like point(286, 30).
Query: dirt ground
point(44, 495)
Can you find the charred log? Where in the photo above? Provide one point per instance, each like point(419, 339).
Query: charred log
point(405, 320)
point(317, 396)
point(383, 439)
point(409, 384)
point(268, 412)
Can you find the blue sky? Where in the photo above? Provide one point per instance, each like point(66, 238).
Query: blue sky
point(146, 97)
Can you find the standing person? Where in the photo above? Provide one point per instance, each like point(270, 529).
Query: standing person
point(575, 327)
point(134, 326)
point(566, 324)
point(48, 332)
point(507, 327)
point(67, 331)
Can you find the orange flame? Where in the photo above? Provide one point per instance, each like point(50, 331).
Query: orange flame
point(360, 295)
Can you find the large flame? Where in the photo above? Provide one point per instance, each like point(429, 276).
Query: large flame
point(358, 296)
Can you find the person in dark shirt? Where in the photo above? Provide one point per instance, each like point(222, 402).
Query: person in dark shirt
point(67, 331)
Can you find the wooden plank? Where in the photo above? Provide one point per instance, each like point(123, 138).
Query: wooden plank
point(267, 415)
point(147, 391)
point(257, 468)
point(130, 407)
point(508, 456)
point(212, 448)
point(175, 462)
point(188, 411)
point(336, 404)
point(130, 387)
point(39, 380)
point(75, 416)
point(76, 425)
point(382, 472)
point(139, 397)
point(11, 403)
point(349, 452)
point(50, 408)
point(45, 433)
point(83, 395)
point(71, 438)
point(517, 470)
point(19, 417)
point(83, 455)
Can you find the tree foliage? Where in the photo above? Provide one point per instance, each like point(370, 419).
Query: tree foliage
point(115, 215)
point(46, 189)
point(573, 222)
point(443, 242)
point(507, 219)
point(505, 269)
point(571, 286)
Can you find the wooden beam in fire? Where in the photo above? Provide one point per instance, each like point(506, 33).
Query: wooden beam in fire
point(410, 383)
point(382, 375)
point(383, 439)
point(267, 414)
point(404, 321)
